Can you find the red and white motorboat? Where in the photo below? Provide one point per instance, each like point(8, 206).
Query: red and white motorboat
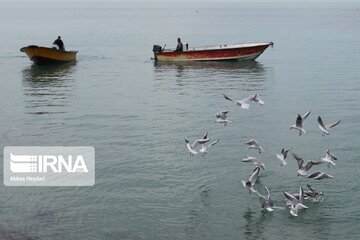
point(245, 51)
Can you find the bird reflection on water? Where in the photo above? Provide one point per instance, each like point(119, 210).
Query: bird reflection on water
point(47, 88)
point(255, 224)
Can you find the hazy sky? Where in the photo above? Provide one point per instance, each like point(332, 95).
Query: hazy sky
point(287, 2)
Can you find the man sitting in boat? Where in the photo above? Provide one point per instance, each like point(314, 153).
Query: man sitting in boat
point(59, 43)
point(179, 47)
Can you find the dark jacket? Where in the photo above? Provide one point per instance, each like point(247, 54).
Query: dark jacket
point(60, 44)
point(179, 47)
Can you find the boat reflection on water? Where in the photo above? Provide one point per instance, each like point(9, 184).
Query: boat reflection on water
point(249, 73)
point(47, 88)
point(210, 65)
point(49, 72)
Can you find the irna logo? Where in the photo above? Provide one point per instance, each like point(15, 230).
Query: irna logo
point(49, 166)
point(47, 163)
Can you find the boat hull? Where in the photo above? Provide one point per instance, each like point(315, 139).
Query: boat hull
point(44, 55)
point(217, 53)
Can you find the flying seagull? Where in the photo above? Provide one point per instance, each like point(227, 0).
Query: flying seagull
point(294, 209)
point(254, 161)
point(257, 99)
point(329, 158)
point(300, 123)
point(302, 167)
point(221, 117)
point(253, 144)
point(313, 193)
point(192, 147)
point(293, 199)
point(251, 182)
point(204, 147)
point(319, 175)
point(294, 203)
point(266, 202)
point(245, 103)
point(282, 156)
point(325, 128)
point(307, 194)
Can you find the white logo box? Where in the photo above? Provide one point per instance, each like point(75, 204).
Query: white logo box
point(49, 166)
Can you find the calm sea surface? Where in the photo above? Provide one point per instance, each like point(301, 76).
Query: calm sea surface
point(136, 115)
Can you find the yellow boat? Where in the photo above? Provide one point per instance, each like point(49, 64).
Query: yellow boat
point(44, 55)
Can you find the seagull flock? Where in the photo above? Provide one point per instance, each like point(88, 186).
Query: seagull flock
point(294, 201)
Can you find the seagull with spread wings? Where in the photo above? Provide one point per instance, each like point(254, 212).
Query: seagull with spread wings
point(325, 128)
point(299, 124)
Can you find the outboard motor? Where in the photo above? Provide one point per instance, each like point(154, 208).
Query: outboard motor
point(157, 49)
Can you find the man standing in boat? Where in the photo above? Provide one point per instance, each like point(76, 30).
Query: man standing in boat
point(59, 43)
point(179, 47)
